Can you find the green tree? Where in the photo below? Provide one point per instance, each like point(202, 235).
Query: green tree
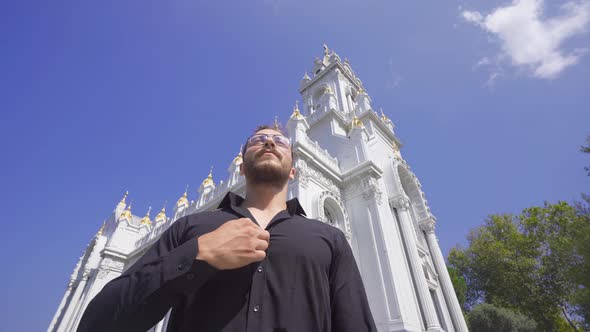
point(581, 271)
point(532, 263)
point(459, 285)
point(586, 149)
point(489, 318)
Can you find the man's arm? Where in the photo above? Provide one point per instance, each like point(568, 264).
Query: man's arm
point(350, 307)
point(141, 296)
point(177, 264)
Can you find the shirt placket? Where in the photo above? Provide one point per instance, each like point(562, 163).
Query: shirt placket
point(256, 304)
point(258, 287)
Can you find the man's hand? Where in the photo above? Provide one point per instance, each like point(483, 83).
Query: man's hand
point(234, 244)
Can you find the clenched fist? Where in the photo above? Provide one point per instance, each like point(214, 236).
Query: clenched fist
point(234, 244)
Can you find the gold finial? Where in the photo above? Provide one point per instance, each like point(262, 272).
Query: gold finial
point(124, 197)
point(383, 116)
point(276, 125)
point(183, 199)
point(326, 50)
point(395, 147)
point(101, 230)
point(346, 61)
point(209, 180)
point(127, 212)
point(238, 158)
point(296, 114)
point(162, 214)
point(356, 122)
point(146, 220)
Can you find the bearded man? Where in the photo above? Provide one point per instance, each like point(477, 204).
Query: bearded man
point(255, 264)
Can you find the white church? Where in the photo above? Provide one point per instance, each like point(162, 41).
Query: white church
point(351, 174)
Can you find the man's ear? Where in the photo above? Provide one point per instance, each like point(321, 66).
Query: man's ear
point(242, 168)
point(292, 173)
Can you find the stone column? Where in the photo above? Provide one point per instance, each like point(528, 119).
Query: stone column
point(445, 279)
point(402, 204)
point(70, 317)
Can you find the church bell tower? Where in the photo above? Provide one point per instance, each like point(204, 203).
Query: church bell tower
point(352, 175)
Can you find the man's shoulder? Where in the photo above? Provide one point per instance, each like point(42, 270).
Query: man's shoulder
point(319, 225)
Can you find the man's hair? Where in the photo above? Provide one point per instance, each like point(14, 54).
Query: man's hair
point(276, 127)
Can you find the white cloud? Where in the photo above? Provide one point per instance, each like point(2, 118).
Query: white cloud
point(491, 82)
point(531, 41)
point(474, 17)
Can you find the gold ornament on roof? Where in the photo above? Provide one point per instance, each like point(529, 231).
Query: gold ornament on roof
point(356, 122)
point(238, 158)
point(146, 220)
point(124, 197)
point(296, 114)
point(383, 116)
point(209, 180)
point(162, 214)
point(183, 199)
point(127, 213)
point(101, 230)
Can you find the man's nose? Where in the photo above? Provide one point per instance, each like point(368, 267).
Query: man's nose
point(269, 143)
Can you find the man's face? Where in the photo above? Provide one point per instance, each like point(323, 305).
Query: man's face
point(266, 162)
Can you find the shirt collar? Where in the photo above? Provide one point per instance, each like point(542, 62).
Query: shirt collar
point(233, 201)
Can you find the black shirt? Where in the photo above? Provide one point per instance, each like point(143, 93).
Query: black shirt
point(309, 281)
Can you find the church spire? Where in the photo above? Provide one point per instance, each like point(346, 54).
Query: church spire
point(122, 204)
point(127, 213)
point(208, 182)
point(183, 200)
point(238, 158)
point(101, 230)
point(162, 215)
point(124, 197)
point(146, 220)
point(296, 114)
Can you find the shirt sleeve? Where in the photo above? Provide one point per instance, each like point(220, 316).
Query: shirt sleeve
point(143, 294)
point(350, 307)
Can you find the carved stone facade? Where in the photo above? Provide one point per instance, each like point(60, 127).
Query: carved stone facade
point(350, 174)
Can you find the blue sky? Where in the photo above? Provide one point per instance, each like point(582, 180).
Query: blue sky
point(490, 99)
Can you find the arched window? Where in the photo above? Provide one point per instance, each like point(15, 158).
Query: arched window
point(331, 211)
point(328, 215)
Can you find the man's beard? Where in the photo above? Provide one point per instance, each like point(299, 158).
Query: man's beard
point(266, 173)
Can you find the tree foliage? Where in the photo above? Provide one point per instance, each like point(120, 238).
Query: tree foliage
point(489, 318)
point(459, 285)
point(535, 263)
point(586, 149)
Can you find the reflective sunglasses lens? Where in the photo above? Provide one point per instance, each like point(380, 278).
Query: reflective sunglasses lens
point(282, 141)
point(257, 139)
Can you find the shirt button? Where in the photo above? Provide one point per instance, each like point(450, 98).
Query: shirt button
point(256, 308)
point(259, 269)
